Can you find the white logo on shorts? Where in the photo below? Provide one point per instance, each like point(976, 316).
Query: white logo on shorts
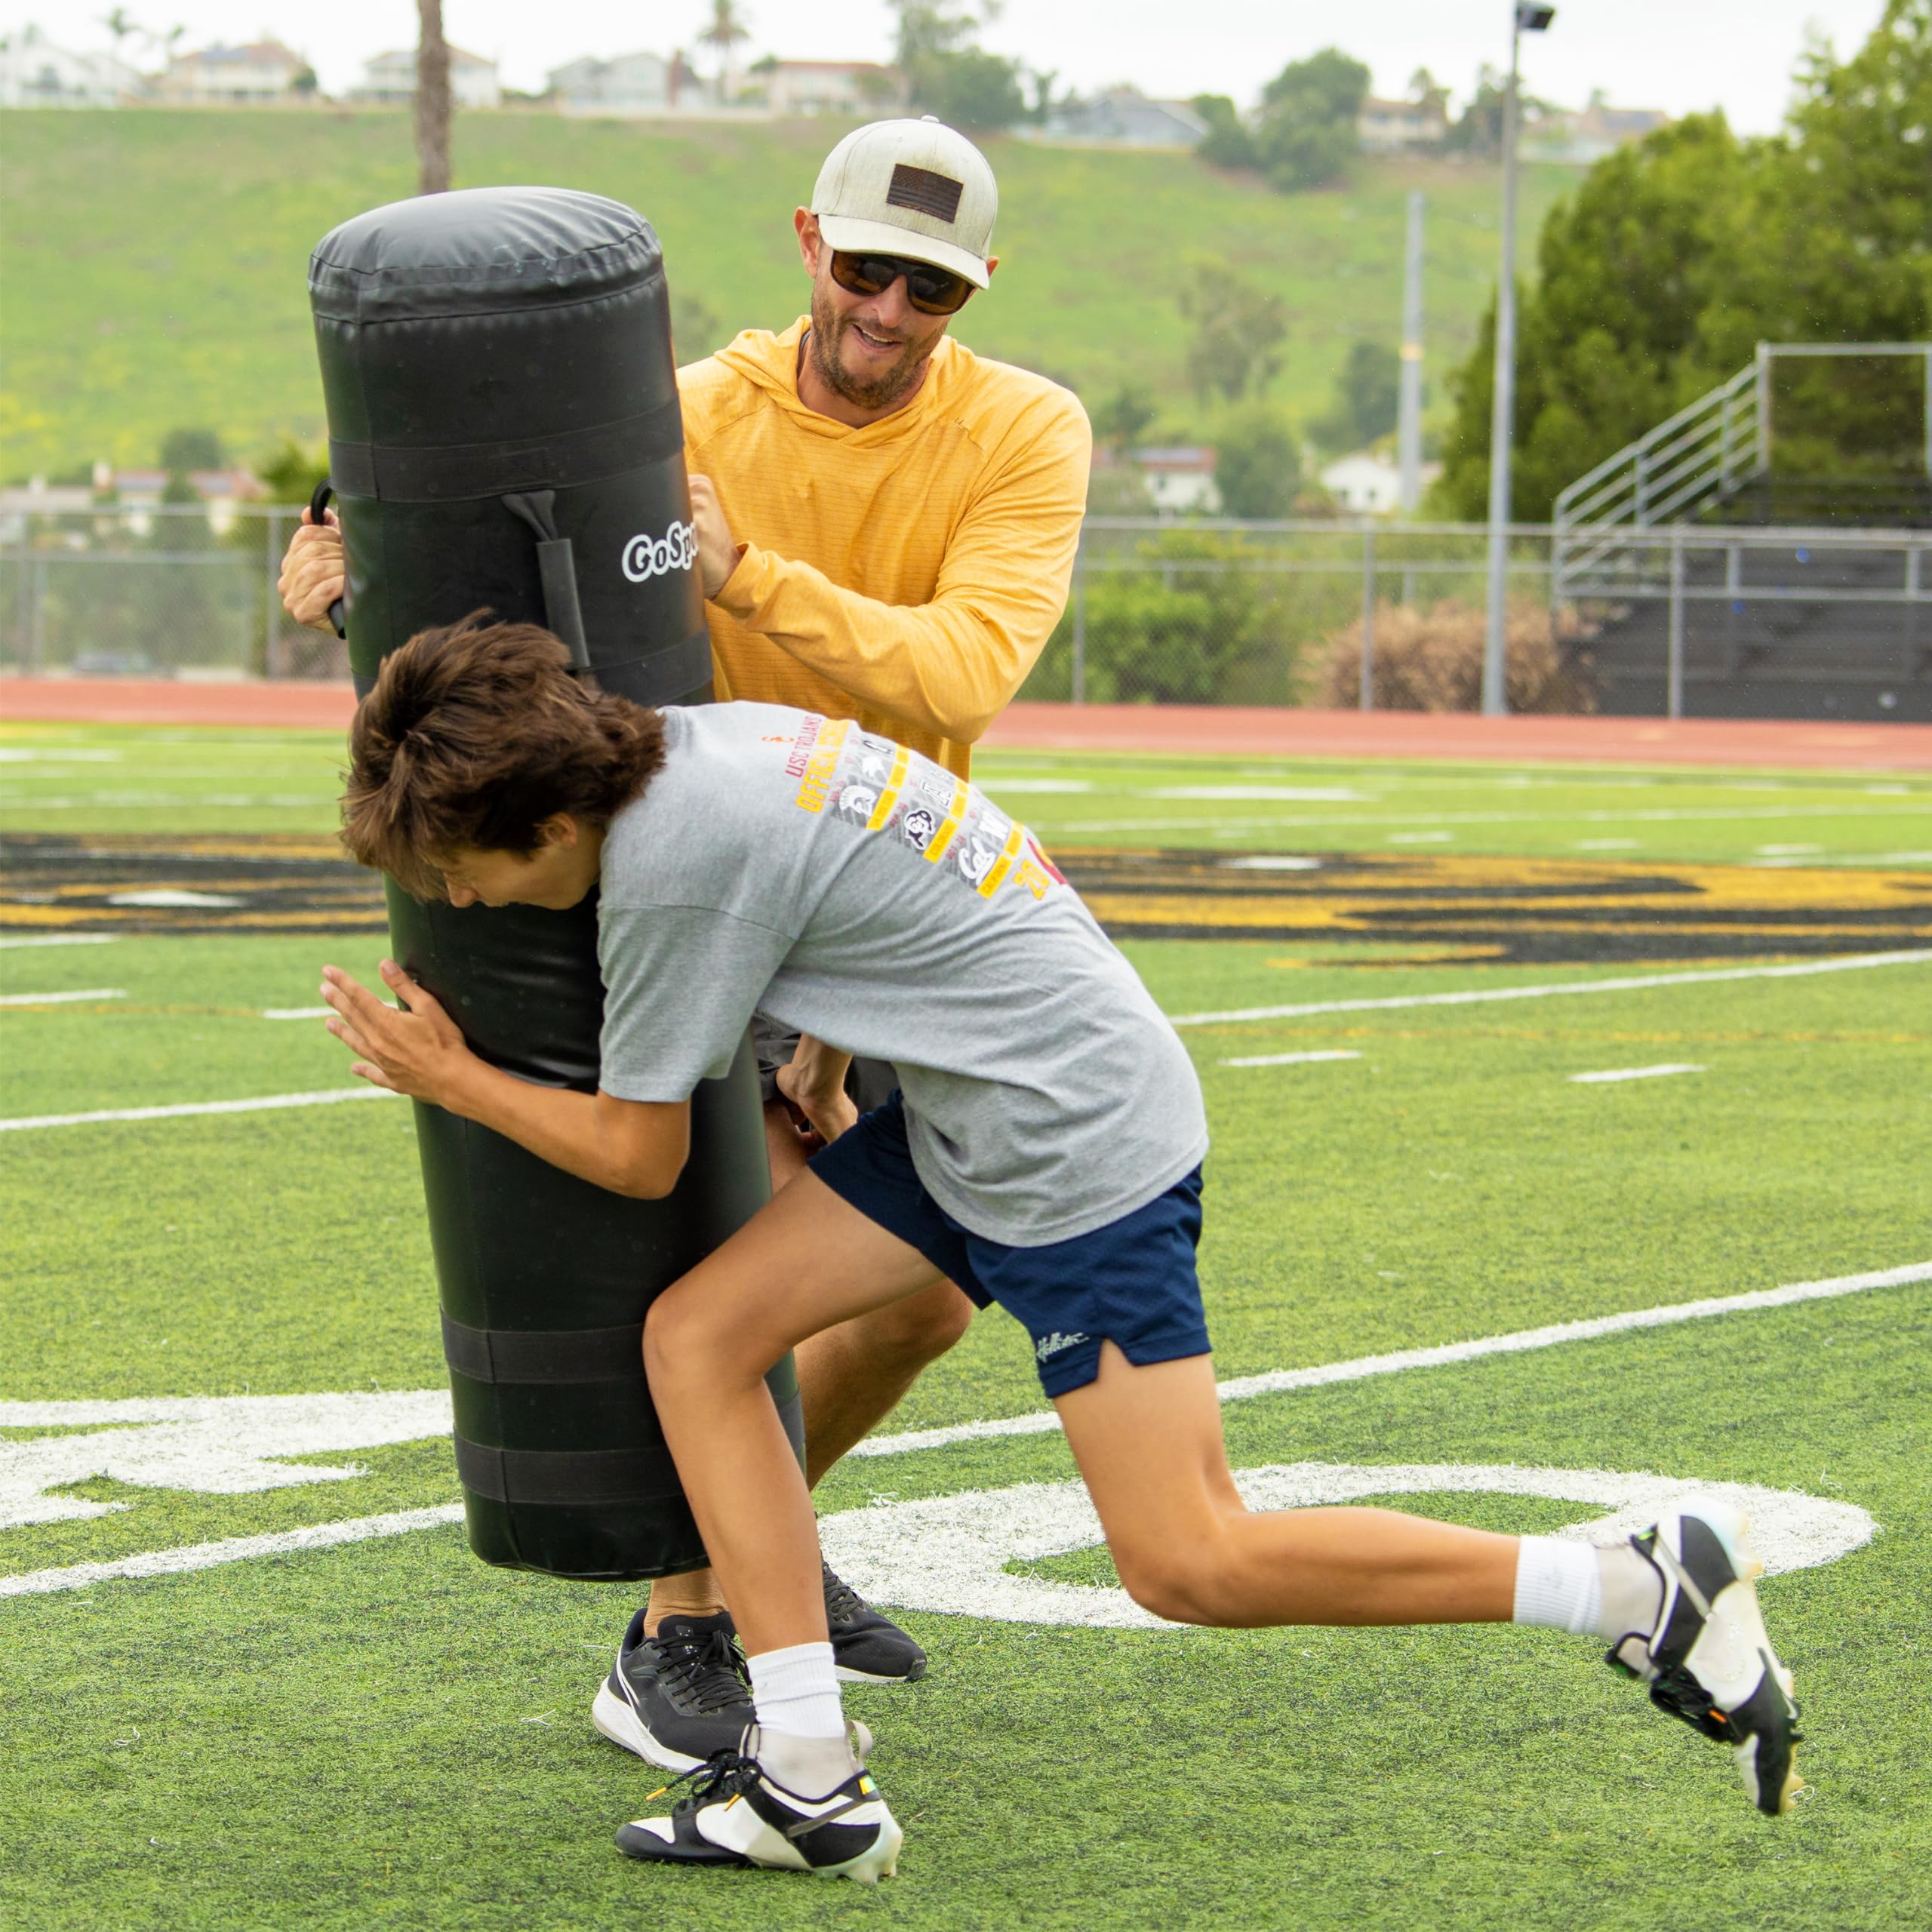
point(646, 557)
point(1051, 1345)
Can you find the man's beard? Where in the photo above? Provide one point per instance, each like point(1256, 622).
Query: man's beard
point(890, 386)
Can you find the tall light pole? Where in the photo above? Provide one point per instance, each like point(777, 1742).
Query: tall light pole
point(1408, 434)
point(1526, 18)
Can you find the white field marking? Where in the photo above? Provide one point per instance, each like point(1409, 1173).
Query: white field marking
point(1481, 995)
point(169, 895)
point(1291, 1059)
point(298, 1013)
point(1280, 1381)
point(1420, 837)
point(230, 1445)
point(1635, 1073)
point(233, 1549)
point(63, 999)
point(948, 1553)
point(1659, 815)
point(1606, 844)
point(60, 939)
point(1788, 852)
point(1308, 795)
point(226, 1447)
point(8, 755)
point(998, 785)
point(22, 1123)
point(1273, 862)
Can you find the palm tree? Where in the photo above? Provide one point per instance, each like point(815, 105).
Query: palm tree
point(433, 100)
point(726, 29)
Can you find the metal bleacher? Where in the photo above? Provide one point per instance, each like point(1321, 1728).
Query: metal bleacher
point(1713, 585)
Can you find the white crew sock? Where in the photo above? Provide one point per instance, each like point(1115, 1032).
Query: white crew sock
point(802, 1740)
point(1559, 1584)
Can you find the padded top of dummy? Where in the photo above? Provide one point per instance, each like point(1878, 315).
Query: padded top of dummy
point(478, 251)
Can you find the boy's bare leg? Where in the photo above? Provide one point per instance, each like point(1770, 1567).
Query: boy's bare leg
point(850, 1378)
point(807, 1262)
point(1148, 1441)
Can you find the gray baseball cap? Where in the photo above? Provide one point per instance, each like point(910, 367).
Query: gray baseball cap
point(913, 188)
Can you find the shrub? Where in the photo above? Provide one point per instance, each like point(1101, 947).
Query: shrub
point(1431, 661)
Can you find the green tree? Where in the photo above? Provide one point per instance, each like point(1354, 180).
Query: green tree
point(1239, 329)
point(723, 33)
point(1367, 394)
point(949, 74)
point(1227, 142)
point(1125, 417)
point(184, 450)
point(1306, 135)
point(1257, 465)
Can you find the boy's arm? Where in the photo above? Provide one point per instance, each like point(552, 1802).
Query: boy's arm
point(633, 1147)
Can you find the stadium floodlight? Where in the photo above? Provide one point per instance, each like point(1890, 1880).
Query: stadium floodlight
point(1526, 18)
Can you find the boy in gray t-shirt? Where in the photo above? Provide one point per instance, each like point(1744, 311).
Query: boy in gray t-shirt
point(1043, 1154)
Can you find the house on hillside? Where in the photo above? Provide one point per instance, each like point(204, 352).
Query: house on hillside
point(390, 79)
point(1120, 117)
point(1370, 484)
point(1586, 137)
point(1401, 127)
point(1179, 480)
point(861, 88)
point(263, 72)
point(36, 73)
point(626, 84)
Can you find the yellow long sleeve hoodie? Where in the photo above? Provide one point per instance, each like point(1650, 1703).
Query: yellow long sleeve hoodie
point(906, 574)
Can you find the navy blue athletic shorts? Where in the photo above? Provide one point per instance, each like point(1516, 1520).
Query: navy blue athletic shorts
point(1131, 1282)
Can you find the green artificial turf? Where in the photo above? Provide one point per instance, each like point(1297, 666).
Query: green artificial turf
point(167, 254)
point(388, 1735)
point(133, 778)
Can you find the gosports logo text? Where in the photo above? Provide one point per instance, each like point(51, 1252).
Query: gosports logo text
point(646, 557)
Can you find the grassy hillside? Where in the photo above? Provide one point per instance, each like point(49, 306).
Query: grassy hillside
point(154, 261)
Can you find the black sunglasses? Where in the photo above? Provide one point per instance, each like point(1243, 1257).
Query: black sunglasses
point(932, 291)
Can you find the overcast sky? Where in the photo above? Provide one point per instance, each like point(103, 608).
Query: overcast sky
point(1676, 54)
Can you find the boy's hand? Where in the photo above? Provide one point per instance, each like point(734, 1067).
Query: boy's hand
point(313, 571)
point(416, 1049)
point(814, 1085)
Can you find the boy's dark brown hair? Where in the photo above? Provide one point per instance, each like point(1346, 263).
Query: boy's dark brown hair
point(475, 734)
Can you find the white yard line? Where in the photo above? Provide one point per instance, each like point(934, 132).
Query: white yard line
point(59, 939)
point(63, 999)
point(1480, 995)
point(1291, 1059)
point(1634, 1073)
point(232, 1549)
point(1278, 1381)
point(324, 1098)
point(202, 1556)
point(298, 1013)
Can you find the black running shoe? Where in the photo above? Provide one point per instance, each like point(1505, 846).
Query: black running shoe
point(740, 1815)
point(1707, 1660)
point(866, 1647)
point(677, 1699)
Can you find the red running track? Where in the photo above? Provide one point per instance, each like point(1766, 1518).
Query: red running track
point(1245, 732)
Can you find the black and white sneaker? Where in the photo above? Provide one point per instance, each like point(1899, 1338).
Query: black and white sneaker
point(677, 1699)
point(740, 1815)
point(1708, 1660)
point(866, 1647)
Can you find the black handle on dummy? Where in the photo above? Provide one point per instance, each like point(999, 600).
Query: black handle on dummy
point(556, 567)
point(318, 504)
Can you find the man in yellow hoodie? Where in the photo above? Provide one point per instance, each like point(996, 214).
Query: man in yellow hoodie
point(886, 525)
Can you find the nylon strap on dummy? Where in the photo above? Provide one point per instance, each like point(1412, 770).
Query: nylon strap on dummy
point(557, 565)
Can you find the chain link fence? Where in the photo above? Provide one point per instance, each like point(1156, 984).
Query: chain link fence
point(1264, 614)
point(1362, 612)
point(174, 590)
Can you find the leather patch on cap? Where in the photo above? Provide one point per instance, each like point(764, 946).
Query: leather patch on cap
point(920, 189)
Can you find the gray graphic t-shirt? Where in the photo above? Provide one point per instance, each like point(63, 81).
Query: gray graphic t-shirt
point(858, 892)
